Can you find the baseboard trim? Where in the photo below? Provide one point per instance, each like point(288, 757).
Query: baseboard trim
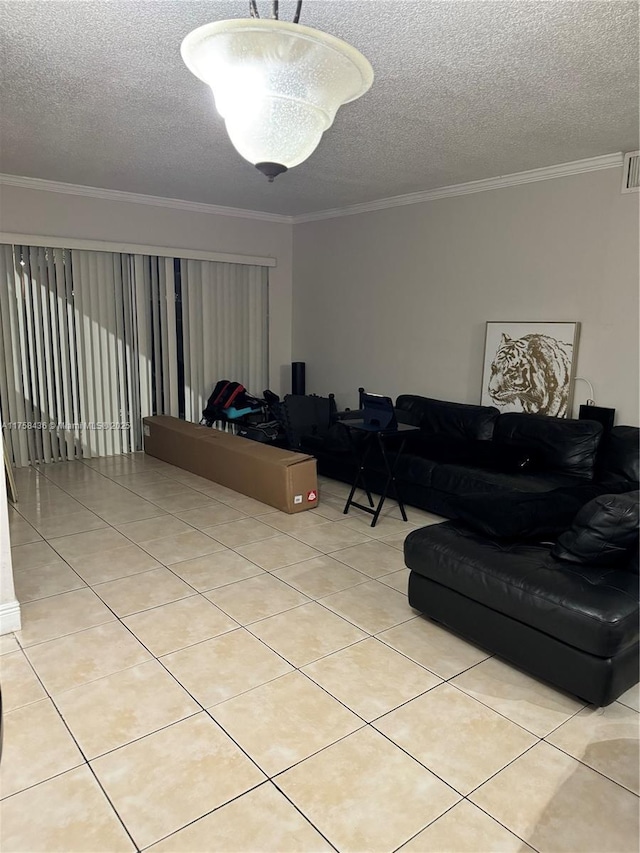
point(10, 616)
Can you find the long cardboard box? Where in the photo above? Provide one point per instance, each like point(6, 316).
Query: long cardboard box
point(281, 478)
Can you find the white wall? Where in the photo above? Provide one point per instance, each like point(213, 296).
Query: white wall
point(43, 213)
point(9, 606)
point(396, 300)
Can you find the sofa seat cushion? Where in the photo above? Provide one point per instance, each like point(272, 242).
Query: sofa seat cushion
point(466, 479)
point(414, 469)
point(482, 454)
point(592, 608)
point(463, 479)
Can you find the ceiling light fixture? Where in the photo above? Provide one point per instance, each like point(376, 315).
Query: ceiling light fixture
point(278, 85)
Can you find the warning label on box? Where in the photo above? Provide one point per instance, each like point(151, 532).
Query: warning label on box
point(312, 495)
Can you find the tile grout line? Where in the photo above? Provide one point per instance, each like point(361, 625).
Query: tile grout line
point(86, 763)
point(415, 835)
point(317, 601)
point(590, 767)
point(203, 709)
point(295, 669)
point(246, 627)
point(206, 814)
point(207, 709)
point(306, 817)
point(367, 578)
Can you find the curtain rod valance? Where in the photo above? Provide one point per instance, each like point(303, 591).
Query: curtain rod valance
point(133, 249)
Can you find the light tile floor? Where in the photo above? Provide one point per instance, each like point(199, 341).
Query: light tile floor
point(199, 672)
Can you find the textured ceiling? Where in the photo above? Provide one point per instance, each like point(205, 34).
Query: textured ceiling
point(96, 93)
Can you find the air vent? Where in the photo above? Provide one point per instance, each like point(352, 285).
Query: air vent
point(631, 172)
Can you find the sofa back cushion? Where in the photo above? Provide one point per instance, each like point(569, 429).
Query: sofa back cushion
point(619, 455)
point(453, 420)
point(527, 515)
point(559, 444)
point(605, 531)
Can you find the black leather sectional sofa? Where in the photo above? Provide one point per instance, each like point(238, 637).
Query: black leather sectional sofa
point(466, 450)
point(539, 563)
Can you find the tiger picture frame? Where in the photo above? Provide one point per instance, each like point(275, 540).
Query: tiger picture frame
point(530, 367)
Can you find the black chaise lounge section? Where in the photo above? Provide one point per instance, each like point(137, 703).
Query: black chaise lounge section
point(513, 485)
point(566, 612)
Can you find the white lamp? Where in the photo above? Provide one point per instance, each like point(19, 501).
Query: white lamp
point(277, 85)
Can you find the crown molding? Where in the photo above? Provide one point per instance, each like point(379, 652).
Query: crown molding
point(139, 198)
point(576, 167)
point(562, 170)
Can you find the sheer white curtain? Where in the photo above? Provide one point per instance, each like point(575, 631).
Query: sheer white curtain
point(92, 342)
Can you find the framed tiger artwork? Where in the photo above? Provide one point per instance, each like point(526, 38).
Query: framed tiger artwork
point(530, 367)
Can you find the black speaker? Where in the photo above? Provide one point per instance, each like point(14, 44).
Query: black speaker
point(297, 377)
point(598, 413)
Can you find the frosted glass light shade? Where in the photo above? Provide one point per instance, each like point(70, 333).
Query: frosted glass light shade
point(277, 85)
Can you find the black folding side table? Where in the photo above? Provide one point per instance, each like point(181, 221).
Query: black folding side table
point(379, 438)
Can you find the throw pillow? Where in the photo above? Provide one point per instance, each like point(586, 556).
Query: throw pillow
point(603, 532)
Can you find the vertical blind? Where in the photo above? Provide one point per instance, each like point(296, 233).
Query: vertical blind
point(225, 323)
point(92, 342)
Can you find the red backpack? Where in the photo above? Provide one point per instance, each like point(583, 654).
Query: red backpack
point(224, 395)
